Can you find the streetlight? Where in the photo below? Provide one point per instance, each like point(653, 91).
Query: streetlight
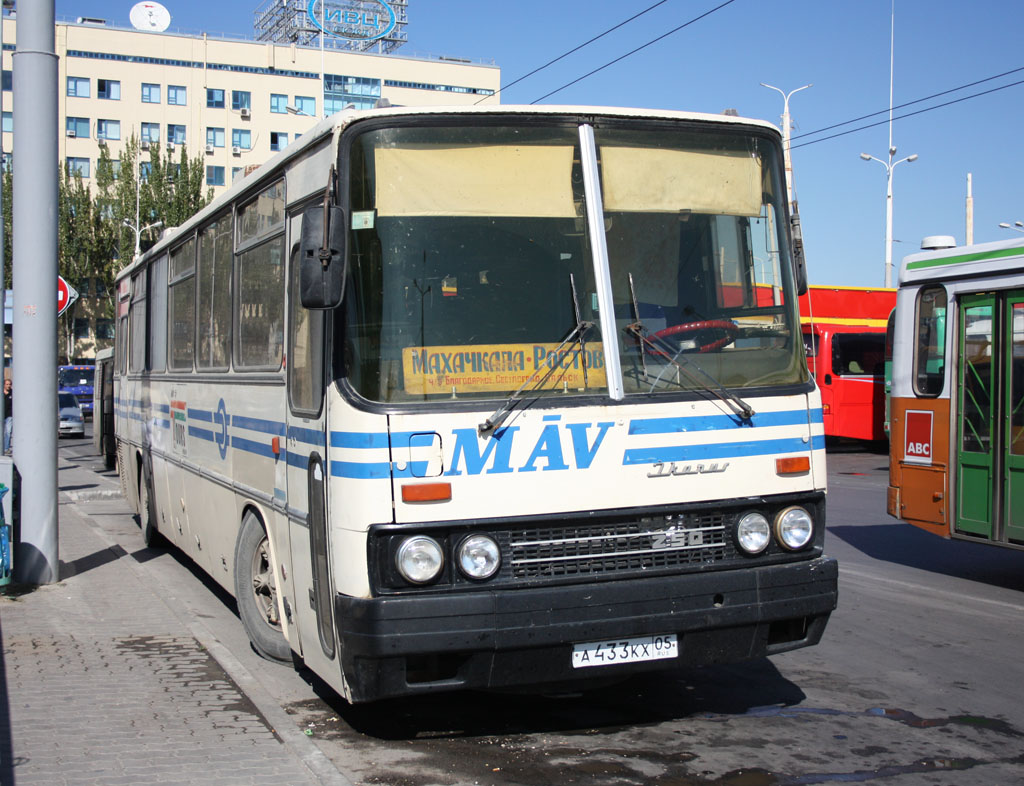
point(891, 165)
point(787, 161)
point(135, 227)
point(1018, 226)
point(294, 110)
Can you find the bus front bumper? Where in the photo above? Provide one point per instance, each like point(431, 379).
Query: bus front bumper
point(403, 645)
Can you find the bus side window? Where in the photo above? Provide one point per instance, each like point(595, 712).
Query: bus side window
point(930, 341)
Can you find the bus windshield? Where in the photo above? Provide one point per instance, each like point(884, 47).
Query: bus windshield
point(471, 271)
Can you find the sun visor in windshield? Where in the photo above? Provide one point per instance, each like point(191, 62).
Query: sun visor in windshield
point(531, 181)
point(650, 180)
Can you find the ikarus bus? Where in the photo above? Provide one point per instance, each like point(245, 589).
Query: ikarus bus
point(483, 398)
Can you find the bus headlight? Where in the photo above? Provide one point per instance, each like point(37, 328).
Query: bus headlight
point(753, 533)
point(794, 528)
point(419, 559)
point(479, 557)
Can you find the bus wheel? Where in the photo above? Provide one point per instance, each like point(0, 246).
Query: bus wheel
point(256, 592)
point(147, 509)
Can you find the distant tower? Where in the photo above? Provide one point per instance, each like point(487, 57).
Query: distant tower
point(353, 25)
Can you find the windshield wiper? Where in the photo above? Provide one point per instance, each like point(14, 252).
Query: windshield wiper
point(662, 347)
point(502, 412)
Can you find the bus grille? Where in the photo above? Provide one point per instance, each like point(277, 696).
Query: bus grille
point(608, 548)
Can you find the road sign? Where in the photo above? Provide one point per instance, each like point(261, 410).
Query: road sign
point(66, 295)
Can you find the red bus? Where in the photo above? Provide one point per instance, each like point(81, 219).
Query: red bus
point(844, 338)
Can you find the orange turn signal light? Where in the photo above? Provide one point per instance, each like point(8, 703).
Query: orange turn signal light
point(427, 492)
point(793, 465)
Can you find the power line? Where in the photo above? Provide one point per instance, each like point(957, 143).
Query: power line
point(910, 114)
point(908, 103)
point(634, 51)
point(576, 49)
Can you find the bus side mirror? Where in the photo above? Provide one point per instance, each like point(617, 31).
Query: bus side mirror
point(799, 260)
point(322, 258)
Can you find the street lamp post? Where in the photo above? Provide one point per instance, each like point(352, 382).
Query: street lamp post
point(889, 166)
point(786, 124)
point(1017, 226)
point(135, 227)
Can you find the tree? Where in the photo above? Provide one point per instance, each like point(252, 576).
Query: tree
point(96, 235)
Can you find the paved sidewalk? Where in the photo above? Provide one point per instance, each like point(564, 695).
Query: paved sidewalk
point(103, 681)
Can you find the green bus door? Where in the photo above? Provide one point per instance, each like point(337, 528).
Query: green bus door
point(990, 416)
point(1013, 419)
point(974, 416)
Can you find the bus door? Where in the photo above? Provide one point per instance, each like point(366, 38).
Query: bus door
point(1013, 418)
point(309, 584)
point(990, 416)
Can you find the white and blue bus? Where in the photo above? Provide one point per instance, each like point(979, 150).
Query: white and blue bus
point(489, 397)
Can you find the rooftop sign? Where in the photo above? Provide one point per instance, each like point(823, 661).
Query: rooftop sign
point(359, 20)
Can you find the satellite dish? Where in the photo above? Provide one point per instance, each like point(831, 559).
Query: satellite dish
point(149, 16)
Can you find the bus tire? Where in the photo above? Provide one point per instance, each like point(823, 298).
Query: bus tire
point(256, 592)
point(147, 509)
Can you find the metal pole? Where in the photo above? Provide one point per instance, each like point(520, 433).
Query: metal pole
point(969, 234)
point(786, 129)
point(888, 228)
point(3, 256)
point(35, 298)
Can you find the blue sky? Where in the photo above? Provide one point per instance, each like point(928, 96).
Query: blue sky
point(841, 46)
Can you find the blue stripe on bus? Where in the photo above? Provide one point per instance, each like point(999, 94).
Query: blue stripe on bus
point(359, 439)
point(414, 469)
point(250, 446)
point(200, 414)
point(723, 450)
point(200, 433)
point(274, 427)
point(162, 423)
point(308, 436)
point(362, 471)
point(795, 417)
point(163, 409)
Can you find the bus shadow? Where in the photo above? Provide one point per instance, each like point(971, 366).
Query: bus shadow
point(904, 544)
point(647, 699)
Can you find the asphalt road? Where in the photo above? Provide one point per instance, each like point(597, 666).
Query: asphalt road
point(917, 681)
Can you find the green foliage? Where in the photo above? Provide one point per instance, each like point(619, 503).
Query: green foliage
point(96, 235)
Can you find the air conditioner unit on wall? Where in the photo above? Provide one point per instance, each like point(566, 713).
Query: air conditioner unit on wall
point(236, 150)
point(170, 145)
point(101, 141)
point(209, 149)
point(70, 133)
point(246, 114)
point(144, 144)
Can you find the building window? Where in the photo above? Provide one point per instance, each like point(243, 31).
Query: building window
point(104, 328)
point(278, 104)
point(8, 125)
point(306, 105)
point(341, 91)
point(78, 166)
point(150, 132)
point(214, 175)
point(215, 136)
point(77, 126)
point(177, 95)
point(81, 328)
point(241, 99)
point(242, 138)
point(108, 129)
point(236, 172)
point(145, 167)
point(78, 87)
point(8, 80)
point(109, 89)
point(101, 291)
point(7, 162)
point(214, 98)
point(175, 134)
point(278, 140)
point(150, 93)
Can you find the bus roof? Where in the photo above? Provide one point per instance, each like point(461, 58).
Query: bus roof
point(335, 124)
point(978, 259)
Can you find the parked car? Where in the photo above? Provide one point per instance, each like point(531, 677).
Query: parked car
point(69, 414)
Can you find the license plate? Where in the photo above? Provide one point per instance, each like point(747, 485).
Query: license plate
point(633, 650)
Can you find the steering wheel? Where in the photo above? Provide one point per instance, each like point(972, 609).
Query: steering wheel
point(731, 330)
